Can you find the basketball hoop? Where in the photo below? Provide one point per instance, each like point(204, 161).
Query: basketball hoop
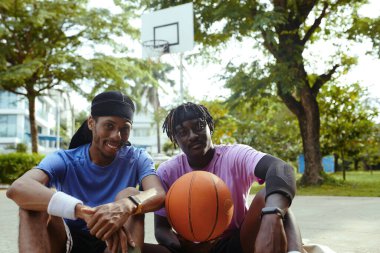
point(156, 48)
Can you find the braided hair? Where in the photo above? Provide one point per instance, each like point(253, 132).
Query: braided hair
point(183, 112)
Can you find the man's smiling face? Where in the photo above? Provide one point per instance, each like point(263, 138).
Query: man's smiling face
point(109, 133)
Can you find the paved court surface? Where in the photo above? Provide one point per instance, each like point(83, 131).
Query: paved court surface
point(344, 224)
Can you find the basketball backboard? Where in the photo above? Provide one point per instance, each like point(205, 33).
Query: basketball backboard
point(174, 25)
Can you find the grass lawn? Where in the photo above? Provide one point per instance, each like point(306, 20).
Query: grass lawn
point(357, 183)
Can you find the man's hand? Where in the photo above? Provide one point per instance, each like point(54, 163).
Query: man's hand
point(271, 237)
point(84, 212)
point(109, 218)
point(119, 240)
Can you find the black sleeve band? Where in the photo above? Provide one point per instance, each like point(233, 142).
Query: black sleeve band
point(279, 176)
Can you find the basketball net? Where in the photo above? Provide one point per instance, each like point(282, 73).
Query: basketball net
point(155, 49)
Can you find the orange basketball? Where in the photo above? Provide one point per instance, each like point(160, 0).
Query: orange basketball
point(199, 206)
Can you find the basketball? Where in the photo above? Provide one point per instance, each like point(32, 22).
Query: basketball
point(199, 206)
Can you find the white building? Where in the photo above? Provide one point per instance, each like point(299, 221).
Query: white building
point(14, 121)
point(144, 132)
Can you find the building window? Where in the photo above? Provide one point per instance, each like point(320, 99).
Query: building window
point(8, 125)
point(27, 125)
point(8, 99)
point(42, 109)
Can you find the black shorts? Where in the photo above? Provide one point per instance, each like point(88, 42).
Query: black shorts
point(83, 241)
point(230, 244)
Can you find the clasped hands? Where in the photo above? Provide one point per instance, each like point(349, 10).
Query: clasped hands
point(106, 222)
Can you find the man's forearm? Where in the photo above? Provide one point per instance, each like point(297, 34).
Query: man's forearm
point(277, 200)
point(293, 234)
point(151, 199)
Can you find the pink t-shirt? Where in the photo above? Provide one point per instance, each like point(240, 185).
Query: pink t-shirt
point(234, 164)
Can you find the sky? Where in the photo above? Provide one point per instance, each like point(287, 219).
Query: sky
point(201, 81)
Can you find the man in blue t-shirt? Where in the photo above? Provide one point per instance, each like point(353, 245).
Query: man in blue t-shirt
point(95, 185)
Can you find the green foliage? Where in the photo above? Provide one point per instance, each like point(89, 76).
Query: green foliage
point(365, 27)
point(169, 148)
point(357, 184)
point(267, 126)
point(348, 127)
point(21, 148)
point(225, 124)
point(13, 165)
point(41, 48)
point(270, 127)
point(285, 31)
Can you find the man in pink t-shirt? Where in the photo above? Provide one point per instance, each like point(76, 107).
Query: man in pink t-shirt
point(265, 225)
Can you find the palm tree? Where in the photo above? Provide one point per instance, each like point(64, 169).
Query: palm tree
point(159, 73)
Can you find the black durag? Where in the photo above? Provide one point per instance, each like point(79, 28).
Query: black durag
point(108, 103)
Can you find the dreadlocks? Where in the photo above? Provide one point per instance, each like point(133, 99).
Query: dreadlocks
point(186, 111)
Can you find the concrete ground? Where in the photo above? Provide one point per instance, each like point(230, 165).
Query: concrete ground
point(344, 224)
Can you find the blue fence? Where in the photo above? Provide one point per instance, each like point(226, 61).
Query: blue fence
point(327, 163)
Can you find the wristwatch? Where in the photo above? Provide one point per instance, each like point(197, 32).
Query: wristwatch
point(273, 210)
point(138, 204)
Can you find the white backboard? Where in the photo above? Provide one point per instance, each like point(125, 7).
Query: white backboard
point(174, 24)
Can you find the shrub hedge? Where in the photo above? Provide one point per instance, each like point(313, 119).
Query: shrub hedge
point(13, 165)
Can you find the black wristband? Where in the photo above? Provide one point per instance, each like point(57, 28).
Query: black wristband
point(137, 202)
point(273, 210)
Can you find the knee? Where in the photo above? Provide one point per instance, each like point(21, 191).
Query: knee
point(127, 192)
point(23, 213)
point(33, 216)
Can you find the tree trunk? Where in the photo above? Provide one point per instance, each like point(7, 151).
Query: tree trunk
point(336, 164)
point(156, 105)
point(309, 126)
point(158, 130)
point(356, 164)
point(343, 165)
point(307, 113)
point(33, 124)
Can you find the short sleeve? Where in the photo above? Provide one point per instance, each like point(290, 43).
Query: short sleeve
point(145, 165)
point(163, 175)
point(246, 159)
point(54, 166)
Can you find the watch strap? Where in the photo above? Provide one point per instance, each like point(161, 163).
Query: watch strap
point(138, 204)
point(273, 210)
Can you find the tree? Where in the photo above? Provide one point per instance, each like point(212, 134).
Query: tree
point(44, 45)
point(286, 31)
point(225, 123)
point(159, 72)
point(370, 156)
point(270, 127)
point(347, 123)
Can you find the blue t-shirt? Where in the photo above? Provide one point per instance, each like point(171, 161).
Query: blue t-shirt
point(72, 171)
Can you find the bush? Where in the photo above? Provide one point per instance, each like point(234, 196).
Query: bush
point(21, 148)
point(13, 165)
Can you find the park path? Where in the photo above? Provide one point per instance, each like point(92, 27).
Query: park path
point(344, 224)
